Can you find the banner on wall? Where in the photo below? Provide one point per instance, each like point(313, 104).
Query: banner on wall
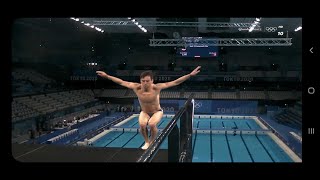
point(234, 107)
point(209, 106)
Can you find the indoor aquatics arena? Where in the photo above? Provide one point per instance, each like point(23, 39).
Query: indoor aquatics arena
point(132, 89)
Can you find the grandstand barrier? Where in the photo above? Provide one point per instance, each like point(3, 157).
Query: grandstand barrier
point(61, 136)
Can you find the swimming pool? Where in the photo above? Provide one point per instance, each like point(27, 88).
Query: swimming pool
point(215, 139)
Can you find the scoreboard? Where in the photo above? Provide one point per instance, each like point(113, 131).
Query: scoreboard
point(195, 49)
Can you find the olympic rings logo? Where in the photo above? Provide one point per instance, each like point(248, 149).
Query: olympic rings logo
point(197, 104)
point(271, 29)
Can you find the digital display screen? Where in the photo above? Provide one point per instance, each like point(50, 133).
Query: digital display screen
point(196, 49)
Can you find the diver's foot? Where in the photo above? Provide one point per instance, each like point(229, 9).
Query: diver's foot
point(145, 146)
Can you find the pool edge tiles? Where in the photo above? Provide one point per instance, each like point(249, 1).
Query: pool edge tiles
point(126, 120)
point(258, 121)
point(282, 145)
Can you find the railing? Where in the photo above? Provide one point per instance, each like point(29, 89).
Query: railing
point(179, 141)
